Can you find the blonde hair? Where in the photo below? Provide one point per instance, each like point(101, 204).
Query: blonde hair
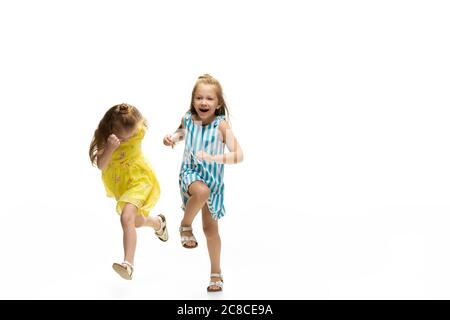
point(123, 116)
point(208, 79)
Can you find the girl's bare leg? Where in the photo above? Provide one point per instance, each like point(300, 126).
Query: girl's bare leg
point(128, 221)
point(199, 195)
point(211, 230)
point(149, 221)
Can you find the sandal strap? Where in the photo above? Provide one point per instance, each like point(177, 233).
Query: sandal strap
point(161, 225)
point(217, 275)
point(161, 230)
point(216, 283)
point(188, 238)
point(182, 229)
point(128, 264)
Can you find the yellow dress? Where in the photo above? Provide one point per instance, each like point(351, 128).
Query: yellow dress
point(129, 177)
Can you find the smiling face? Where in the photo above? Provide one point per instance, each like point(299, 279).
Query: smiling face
point(205, 102)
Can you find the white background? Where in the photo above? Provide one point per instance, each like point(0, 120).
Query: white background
point(341, 108)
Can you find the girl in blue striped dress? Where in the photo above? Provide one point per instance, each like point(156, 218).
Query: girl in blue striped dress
point(206, 133)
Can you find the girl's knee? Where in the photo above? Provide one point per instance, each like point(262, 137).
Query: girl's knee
point(128, 218)
point(211, 231)
point(200, 191)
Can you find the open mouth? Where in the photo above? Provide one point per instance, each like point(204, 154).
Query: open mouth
point(203, 110)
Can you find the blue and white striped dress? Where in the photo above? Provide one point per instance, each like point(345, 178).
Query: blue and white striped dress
point(203, 138)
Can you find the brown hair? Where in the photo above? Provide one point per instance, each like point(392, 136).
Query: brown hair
point(120, 116)
point(208, 79)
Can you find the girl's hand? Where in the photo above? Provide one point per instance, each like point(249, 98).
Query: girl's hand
point(202, 155)
point(113, 142)
point(168, 141)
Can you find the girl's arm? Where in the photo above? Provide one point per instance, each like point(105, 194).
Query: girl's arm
point(177, 136)
point(104, 157)
point(234, 156)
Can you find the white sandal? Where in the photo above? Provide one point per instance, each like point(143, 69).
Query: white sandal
point(215, 283)
point(124, 269)
point(165, 234)
point(185, 239)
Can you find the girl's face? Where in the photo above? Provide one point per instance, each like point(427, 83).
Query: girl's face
point(206, 102)
point(124, 134)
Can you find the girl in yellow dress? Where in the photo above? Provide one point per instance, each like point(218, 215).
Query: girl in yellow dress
point(127, 176)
